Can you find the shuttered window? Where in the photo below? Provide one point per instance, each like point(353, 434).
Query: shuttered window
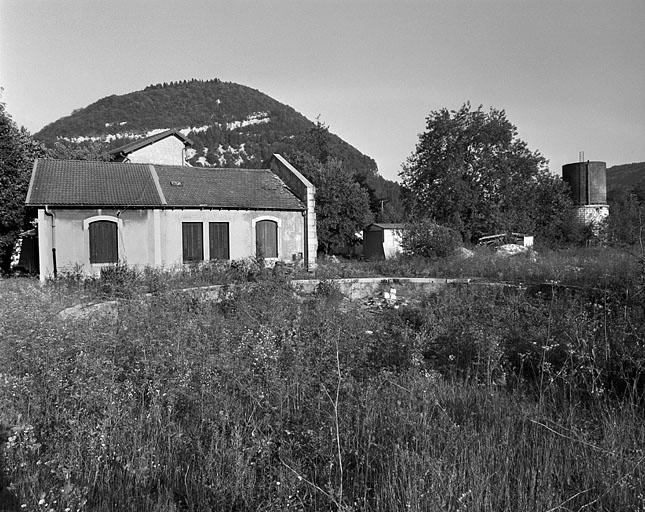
point(266, 238)
point(192, 241)
point(218, 240)
point(103, 242)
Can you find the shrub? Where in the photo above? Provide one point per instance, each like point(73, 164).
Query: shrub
point(429, 239)
point(119, 281)
point(627, 218)
point(264, 401)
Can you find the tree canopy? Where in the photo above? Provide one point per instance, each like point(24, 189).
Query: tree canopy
point(471, 171)
point(342, 205)
point(17, 153)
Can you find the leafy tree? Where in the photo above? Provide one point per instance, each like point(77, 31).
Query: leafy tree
point(425, 238)
point(316, 141)
point(342, 206)
point(386, 198)
point(471, 172)
point(17, 153)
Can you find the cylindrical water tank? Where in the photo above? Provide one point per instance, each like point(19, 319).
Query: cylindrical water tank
point(588, 182)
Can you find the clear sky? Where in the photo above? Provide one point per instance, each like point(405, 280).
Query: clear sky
point(569, 73)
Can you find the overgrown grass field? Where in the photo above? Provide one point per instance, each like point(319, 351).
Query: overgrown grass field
point(487, 398)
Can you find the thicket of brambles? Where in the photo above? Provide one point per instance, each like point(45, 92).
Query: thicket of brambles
point(477, 397)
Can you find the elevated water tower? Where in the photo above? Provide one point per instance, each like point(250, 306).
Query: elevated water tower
point(588, 183)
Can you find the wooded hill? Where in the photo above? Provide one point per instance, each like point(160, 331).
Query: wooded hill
point(230, 124)
point(626, 177)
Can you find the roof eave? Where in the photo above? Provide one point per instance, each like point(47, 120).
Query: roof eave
point(219, 207)
point(83, 206)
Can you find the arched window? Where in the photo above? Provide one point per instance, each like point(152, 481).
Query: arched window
point(266, 238)
point(104, 242)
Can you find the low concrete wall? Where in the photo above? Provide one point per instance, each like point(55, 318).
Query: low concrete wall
point(352, 288)
point(361, 288)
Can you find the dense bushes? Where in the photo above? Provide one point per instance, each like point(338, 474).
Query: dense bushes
point(429, 239)
point(485, 398)
point(583, 343)
point(626, 224)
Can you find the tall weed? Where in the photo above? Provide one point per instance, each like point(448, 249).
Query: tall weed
point(268, 401)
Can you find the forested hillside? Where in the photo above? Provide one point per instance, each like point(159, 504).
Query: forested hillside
point(626, 177)
point(626, 198)
point(230, 124)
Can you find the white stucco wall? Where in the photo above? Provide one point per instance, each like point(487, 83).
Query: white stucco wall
point(391, 242)
point(154, 237)
point(70, 237)
point(241, 232)
point(168, 151)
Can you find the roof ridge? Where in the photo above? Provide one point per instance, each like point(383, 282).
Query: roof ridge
point(209, 168)
point(102, 162)
point(155, 179)
point(137, 144)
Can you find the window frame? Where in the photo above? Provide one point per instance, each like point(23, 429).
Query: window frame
point(278, 223)
point(210, 240)
point(200, 250)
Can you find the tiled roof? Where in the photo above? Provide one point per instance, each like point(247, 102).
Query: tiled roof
point(225, 188)
point(141, 143)
point(86, 182)
point(93, 184)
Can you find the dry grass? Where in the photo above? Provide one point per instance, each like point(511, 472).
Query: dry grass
point(254, 403)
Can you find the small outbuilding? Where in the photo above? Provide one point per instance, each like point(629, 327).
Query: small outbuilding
point(382, 240)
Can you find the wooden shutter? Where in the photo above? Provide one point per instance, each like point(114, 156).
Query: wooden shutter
point(266, 238)
point(218, 240)
point(103, 242)
point(192, 241)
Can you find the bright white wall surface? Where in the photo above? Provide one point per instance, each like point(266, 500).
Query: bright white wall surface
point(391, 242)
point(168, 151)
point(154, 237)
point(241, 232)
point(70, 237)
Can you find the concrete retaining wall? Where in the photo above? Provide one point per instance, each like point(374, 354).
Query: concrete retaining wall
point(353, 289)
point(361, 288)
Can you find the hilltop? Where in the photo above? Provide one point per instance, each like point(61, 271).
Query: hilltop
point(231, 125)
